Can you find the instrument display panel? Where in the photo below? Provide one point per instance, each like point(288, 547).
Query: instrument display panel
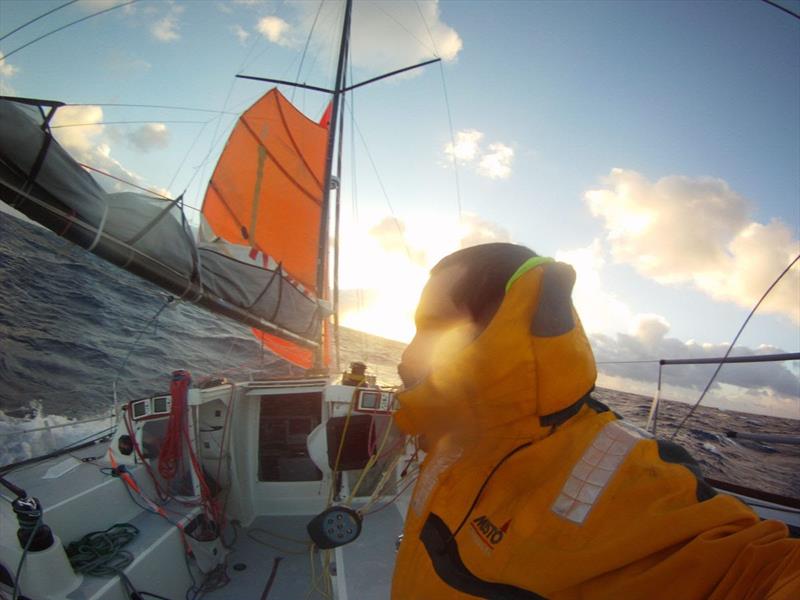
point(375, 401)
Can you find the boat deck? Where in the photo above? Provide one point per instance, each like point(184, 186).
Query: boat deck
point(276, 549)
point(265, 552)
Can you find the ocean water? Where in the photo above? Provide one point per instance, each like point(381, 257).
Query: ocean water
point(71, 325)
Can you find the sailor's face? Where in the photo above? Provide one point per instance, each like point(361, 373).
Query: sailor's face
point(442, 328)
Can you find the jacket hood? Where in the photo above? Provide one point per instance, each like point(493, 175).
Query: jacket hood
point(532, 363)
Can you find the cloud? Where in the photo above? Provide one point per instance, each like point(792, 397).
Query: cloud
point(399, 33)
point(475, 230)
point(97, 5)
point(647, 340)
point(697, 231)
point(390, 233)
point(494, 162)
point(600, 310)
point(79, 130)
point(466, 147)
point(275, 29)
point(240, 32)
point(152, 136)
point(7, 69)
point(166, 29)
point(650, 328)
point(125, 65)
point(385, 35)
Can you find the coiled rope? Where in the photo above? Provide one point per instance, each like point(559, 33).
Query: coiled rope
point(100, 553)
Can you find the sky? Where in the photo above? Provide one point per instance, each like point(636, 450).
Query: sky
point(655, 146)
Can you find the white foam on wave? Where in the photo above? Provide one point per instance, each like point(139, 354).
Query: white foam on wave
point(38, 433)
point(711, 448)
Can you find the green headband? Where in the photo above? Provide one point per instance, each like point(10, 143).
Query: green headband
point(529, 264)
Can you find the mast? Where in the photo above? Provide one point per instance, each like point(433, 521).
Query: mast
point(338, 90)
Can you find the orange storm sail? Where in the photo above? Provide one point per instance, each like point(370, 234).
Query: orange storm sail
point(266, 195)
point(267, 189)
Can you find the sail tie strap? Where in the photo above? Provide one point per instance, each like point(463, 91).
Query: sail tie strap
point(99, 229)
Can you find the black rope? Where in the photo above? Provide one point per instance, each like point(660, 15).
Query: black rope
point(49, 33)
point(733, 343)
point(275, 564)
point(42, 16)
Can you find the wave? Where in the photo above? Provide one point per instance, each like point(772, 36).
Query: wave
point(70, 324)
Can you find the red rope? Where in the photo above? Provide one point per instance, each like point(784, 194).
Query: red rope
point(172, 449)
point(177, 434)
point(130, 183)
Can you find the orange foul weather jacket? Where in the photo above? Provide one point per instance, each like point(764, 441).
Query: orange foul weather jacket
point(535, 490)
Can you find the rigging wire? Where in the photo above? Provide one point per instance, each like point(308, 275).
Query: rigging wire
point(404, 28)
point(362, 338)
point(95, 14)
point(119, 123)
point(168, 300)
point(42, 16)
point(730, 347)
point(305, 48)
point(215, 139)
point(160, 106)
point(395, 220)
point(782, 8)
point(337, 236)
point(217, 135)
point(186, 157)
point(626, 362)
point(449, 112)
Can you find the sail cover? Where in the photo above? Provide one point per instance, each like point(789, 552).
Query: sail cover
point(241, 273)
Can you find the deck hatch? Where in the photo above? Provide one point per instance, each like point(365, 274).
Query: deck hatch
point(284, 424)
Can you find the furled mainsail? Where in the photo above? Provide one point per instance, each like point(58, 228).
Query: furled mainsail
point(240, 273)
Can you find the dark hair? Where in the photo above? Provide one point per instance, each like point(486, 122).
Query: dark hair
point(488, 269)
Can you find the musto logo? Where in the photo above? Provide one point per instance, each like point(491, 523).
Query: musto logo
point(489, 533)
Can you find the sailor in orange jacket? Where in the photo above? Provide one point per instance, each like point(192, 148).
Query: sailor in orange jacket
point(531, 488)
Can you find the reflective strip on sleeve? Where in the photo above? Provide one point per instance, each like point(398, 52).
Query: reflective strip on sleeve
point(594, 470)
